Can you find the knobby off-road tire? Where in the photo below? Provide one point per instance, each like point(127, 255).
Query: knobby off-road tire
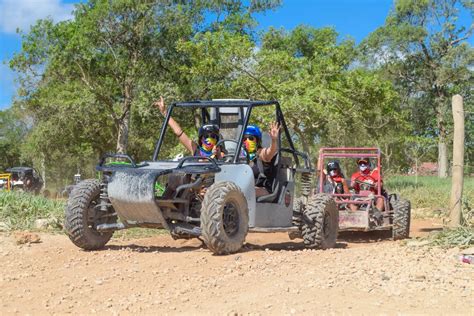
point(401, 219)
point(79, 209)
point(298, 208)
point(224, 218)
point(297, 219)
point(320, 222)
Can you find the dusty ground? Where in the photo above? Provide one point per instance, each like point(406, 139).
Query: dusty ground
point(366, 274)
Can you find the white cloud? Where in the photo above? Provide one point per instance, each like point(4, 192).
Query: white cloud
point(23, 13)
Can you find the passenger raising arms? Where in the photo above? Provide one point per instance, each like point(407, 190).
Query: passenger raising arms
point(208, 136)
point(265, 170)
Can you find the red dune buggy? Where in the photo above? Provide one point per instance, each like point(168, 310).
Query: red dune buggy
point(357, 209)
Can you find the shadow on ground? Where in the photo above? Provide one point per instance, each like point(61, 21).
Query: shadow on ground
point(430, 229)
point(344, 239)
point(148, 249)
point(365, 237)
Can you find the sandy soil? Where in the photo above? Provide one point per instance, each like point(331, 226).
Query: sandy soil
point(367, 273)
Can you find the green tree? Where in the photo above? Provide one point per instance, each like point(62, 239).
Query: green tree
point(422, 47)
point(83, 82)
point(326, 99)
point(12, 134)
point(217, 59)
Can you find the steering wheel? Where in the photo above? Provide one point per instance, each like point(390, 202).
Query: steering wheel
point(229, 157)
point(365, 185)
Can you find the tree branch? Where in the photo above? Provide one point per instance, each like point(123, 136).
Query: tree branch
point(104, 99)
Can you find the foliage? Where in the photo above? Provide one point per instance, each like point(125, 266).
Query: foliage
point(326, 100)
point(83, 82)
point(459, 237)
point(19, 210)
point(423, 49)
point(12, 133)
point(429, 198)
point(429, 191)
point(87, 84)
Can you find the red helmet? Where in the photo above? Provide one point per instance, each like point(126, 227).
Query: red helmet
point(363, 160)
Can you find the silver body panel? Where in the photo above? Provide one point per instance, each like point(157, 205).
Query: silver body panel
point(242, 176)
point(133, 197)
point(260, 214)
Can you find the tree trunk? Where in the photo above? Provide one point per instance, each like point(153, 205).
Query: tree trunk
point(387, 155)
point(197, 118)
point(124, 121)
point(123, 128)
point(442, 147)
point(303, 139)
point(458, 163)
point(442, 158)
point(43, 170)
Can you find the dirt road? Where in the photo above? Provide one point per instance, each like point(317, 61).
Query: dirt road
point(366, 274)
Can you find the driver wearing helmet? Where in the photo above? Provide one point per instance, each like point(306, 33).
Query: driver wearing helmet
point(336, 178)
point(367, 177)
point(262, 160)
point(208, 136)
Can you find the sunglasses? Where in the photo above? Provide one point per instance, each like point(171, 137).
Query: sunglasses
point(363, 164)
point(211, 135)
point(252, 138)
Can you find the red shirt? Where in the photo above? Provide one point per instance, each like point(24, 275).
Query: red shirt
point(371, 177)
point(337, 179)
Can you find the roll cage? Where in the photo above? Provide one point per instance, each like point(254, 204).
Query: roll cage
point(244, 108)
point(348, 152)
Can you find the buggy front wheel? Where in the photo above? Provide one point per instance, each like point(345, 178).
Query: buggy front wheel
point(320, 222)
point(224, 218)
point(82, 216)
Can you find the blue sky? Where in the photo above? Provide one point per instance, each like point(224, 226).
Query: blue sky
point(351, 18)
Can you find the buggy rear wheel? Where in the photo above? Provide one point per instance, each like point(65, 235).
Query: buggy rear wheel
point(82, 216)
point(401, 219)
point(224, 218)
point(320, 222)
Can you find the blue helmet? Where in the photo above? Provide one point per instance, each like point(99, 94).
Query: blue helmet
point(254, 130)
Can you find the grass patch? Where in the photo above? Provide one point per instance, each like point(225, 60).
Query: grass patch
point(429, 191)
point(429, 197)
point(19, 211)
point(452, 237)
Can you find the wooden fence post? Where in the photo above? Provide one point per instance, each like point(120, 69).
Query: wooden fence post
point(455, 205)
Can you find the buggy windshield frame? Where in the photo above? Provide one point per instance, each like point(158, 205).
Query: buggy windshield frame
point(241, 104)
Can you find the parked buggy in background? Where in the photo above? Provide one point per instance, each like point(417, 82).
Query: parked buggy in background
point(203, 197)
point(25, 179)
point(5, 181)
point(396, 213)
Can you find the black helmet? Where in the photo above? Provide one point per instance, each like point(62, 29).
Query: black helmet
point(208, 129)
point(333, 165)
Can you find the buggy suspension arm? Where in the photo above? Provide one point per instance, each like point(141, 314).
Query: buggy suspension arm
point(192, 185)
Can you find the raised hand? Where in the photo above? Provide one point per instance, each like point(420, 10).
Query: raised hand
point(161, 105)
point(214, 152)
point(274, 130)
